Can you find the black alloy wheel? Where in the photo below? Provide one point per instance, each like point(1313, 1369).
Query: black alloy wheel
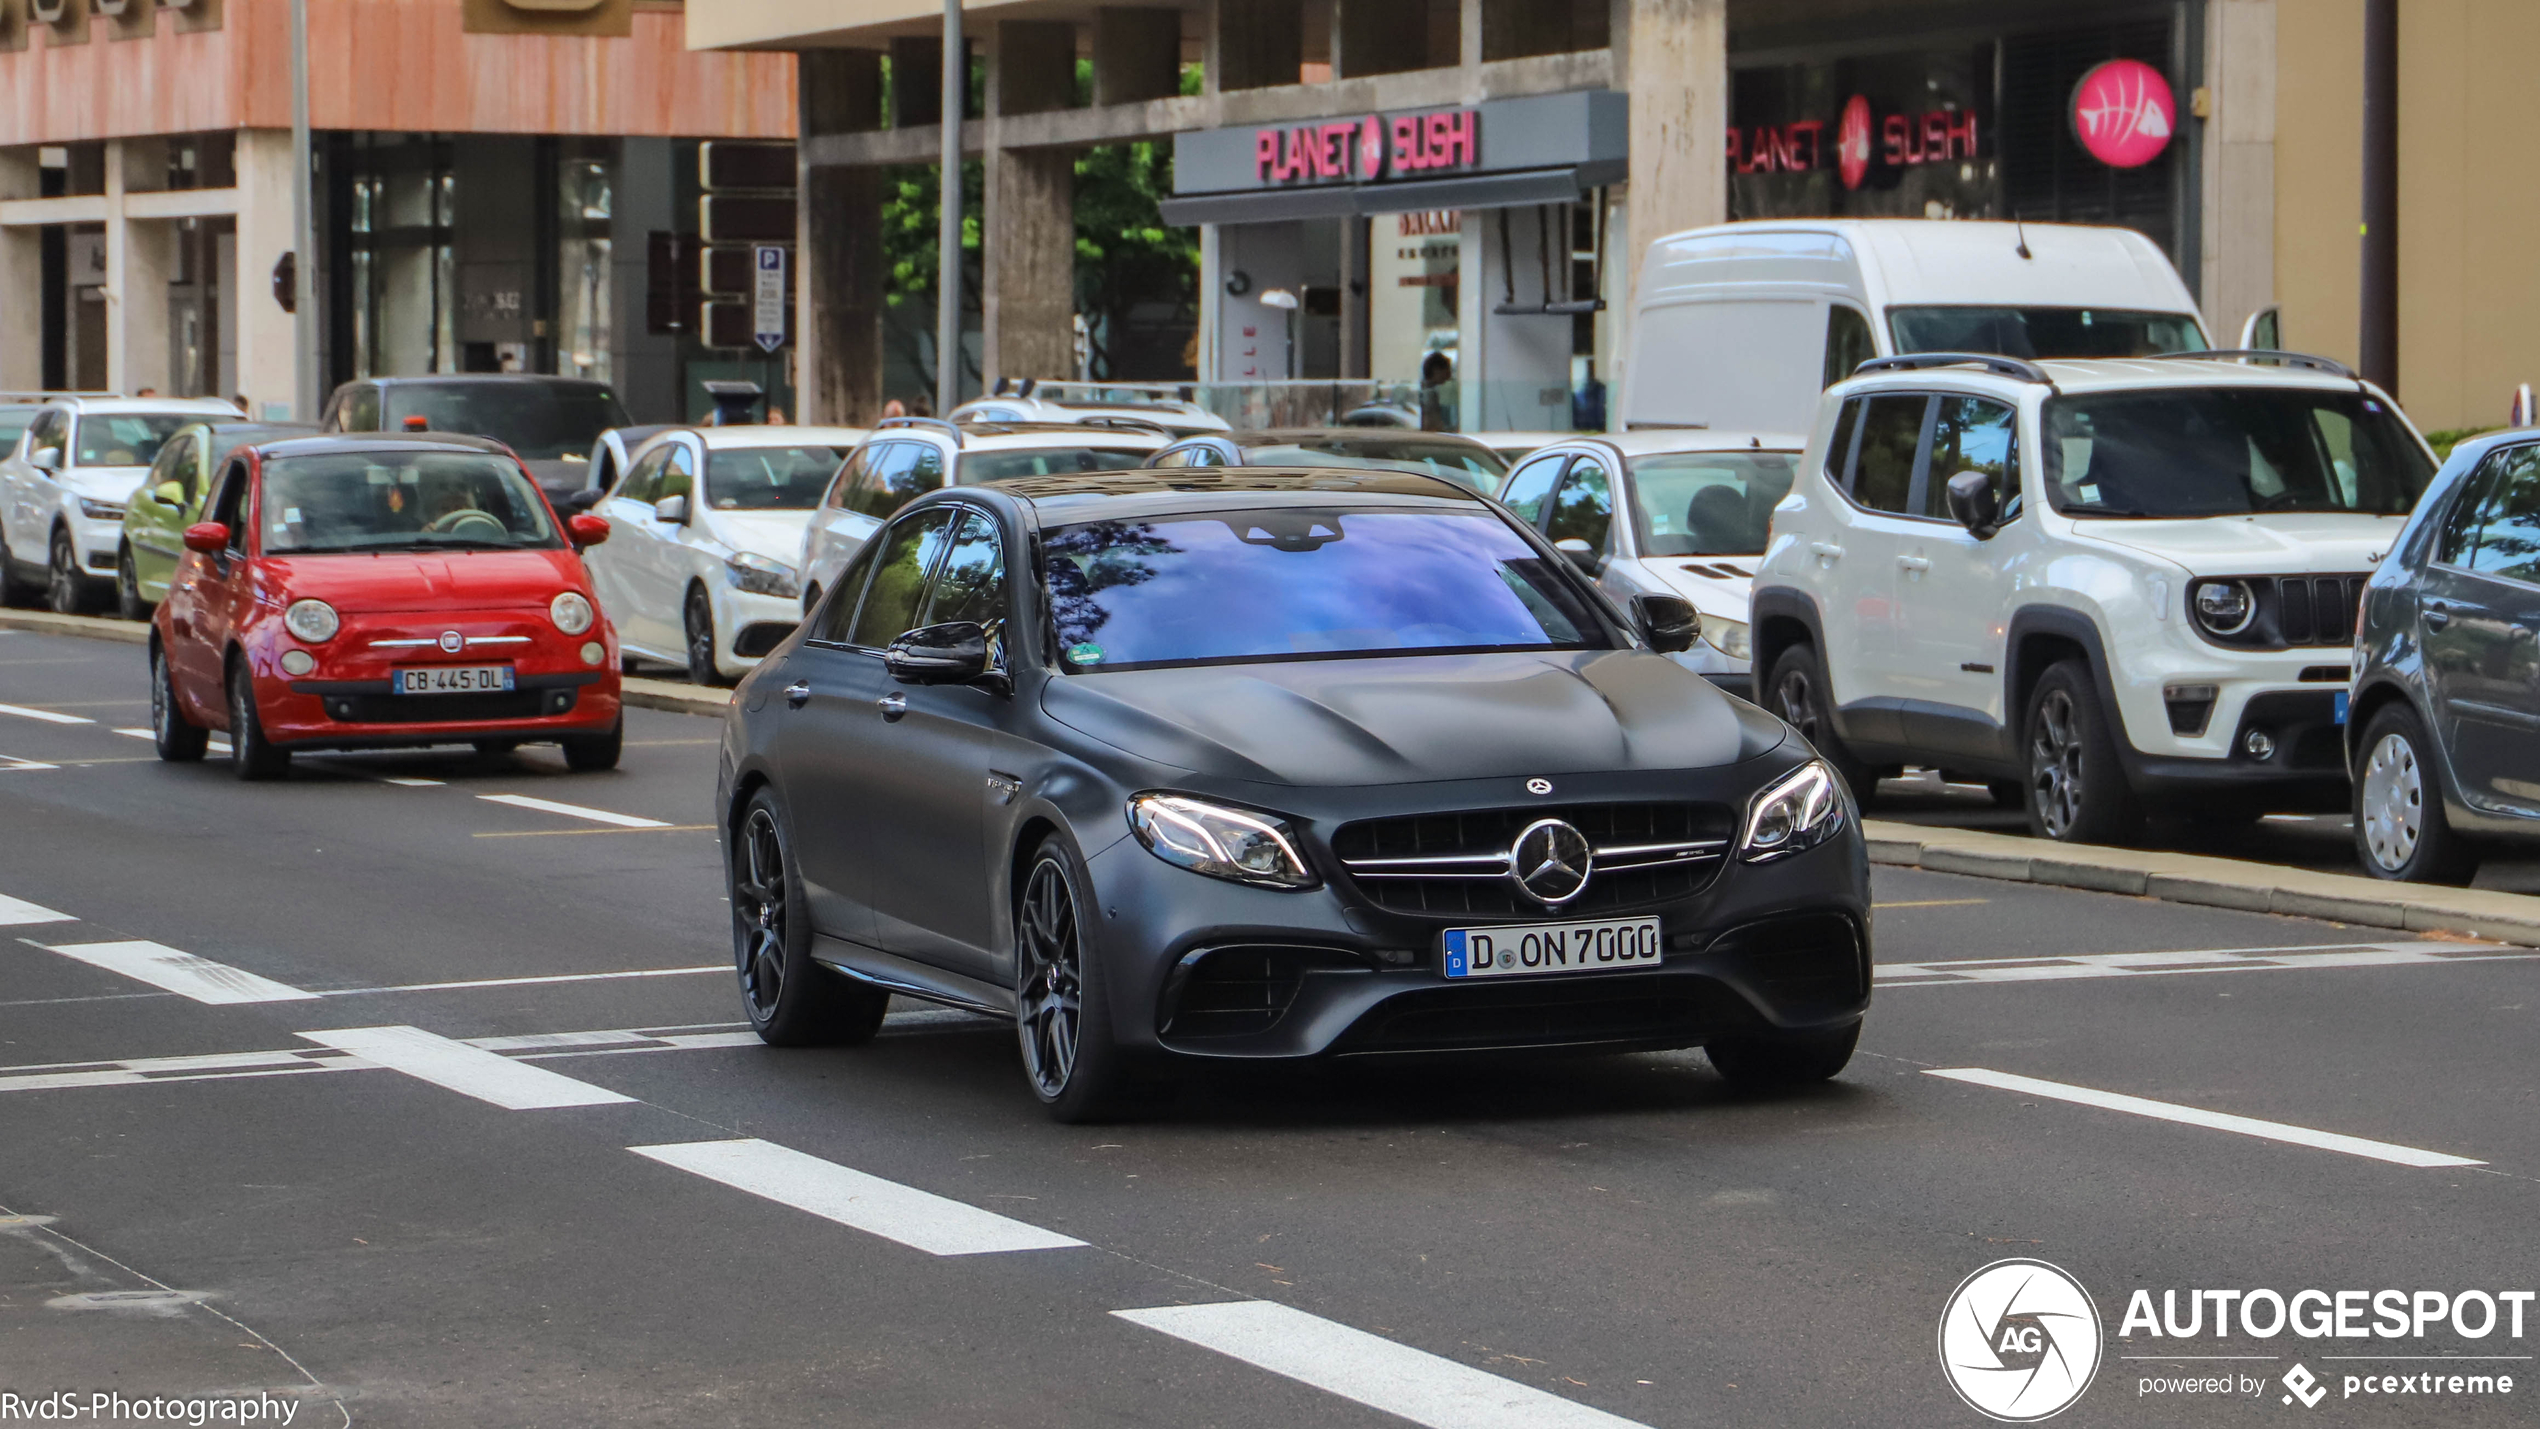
point(790, 1000)
point(179, 740)
point(251, 756)
point(128, 601)
point(1799, 696)
point(698, 618)
point(1069, 1057)
point(2077, 790)
point(62, 592)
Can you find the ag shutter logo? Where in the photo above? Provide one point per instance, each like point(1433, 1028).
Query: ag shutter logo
point(2020, 1340)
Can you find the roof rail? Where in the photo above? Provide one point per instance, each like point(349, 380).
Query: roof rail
point(936, 422)
point(1990, 361)
point(2328, 365)
point(1128, 423)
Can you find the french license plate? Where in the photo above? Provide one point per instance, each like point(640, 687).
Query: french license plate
point(1531, 949)
point(452, 680)
point(2341, 706)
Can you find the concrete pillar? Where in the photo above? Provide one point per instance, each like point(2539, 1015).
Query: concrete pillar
point(265, 340)
point(1260, 43)
point(1679, 86)
point(842, 271)
point(1029, 268)
point(2239, 256)
point(1354, 295)
point(21, 279)
point(140, 257)
point(1137, 54)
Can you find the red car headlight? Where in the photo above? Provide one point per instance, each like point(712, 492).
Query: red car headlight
point(312, 620)
point(571, 612)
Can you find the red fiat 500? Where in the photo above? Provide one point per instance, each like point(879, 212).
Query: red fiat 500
point(363, 592)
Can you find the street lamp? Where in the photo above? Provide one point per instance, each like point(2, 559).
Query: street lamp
point(304, 324)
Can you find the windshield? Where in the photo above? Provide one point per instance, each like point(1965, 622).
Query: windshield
point(540, 420)
point(1708, 503)
point(1300, 583)
point(977, 468)
point(2228, 452)
point(128, 438)
point(1470, 469)
point(388, 500)
point(2044, 332)
point(770, 478)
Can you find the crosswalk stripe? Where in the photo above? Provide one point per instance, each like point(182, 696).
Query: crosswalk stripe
point(577, 811)
point(470, 1071)
point(14, 912)
point(918, 1219)
point(2198, 1116)
point(1379, 1373)
point(181, 972)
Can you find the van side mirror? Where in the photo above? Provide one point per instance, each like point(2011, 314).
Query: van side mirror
point(208, 537)
point(1974, 502)
point(953, 653)
point(672, 509)
point(1668, 622)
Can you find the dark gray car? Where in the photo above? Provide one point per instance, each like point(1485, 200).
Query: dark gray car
point(548, 422)
point(2444, 738)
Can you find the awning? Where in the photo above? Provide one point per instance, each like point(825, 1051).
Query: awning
point(1468, 191)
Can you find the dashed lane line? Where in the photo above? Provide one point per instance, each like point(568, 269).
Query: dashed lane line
point(219, 741)
point(918, 1219)
point(16, 912)
point(47, 716)
point(2171, 963)
point(575, 811)
point(1370, 1369)
point(180, 972)
point(470, 1071)
point(2198, 1116)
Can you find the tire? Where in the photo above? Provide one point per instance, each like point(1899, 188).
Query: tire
point(790, 1000)
point(179, 740)
point(1071, 1059)
point(2077, 789)
point(1797, 692)
point(592, 753)
point(1783, 1059)
point(64, 586)
point(697, 620)
point(252, 757)
point(2401, 830)
point(128, 601)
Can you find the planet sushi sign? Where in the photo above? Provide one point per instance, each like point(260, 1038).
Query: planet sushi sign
point(2124, 114)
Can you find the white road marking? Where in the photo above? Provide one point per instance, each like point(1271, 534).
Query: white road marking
point(577, 811)
point(13, 912)
point(2197, 1116)
point(469, 1071)
point(2218, 960)
point(404, 783)
point(137, 733)
point(918, 1219)
point(1377, 1372)
point(48, 716)
point(10, 763)
point(530, 981)
point(181, 972)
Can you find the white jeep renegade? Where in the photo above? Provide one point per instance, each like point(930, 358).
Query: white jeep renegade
point(2108, 588)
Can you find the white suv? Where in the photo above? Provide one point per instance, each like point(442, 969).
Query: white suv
point(2105, 587)
point(64, 488)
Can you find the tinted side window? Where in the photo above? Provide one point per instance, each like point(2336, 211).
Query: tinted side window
point(1528, 485)
point(1839, 448)
point(1848, 342)
point(1179, 456)
point(1585, 508)
point(49, 432)
point(899, 578)
point(838, 607)
point(1891, 434)
point(643, 479)
point(2506, 541)
point(361, 410)
point(175, 460)
point(890, 480)
point(678, 475)
point(849, 474)
point(971, 586)
point(1972, 434)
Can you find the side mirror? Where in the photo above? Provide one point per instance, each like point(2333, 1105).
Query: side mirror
point(673, 509)
point(1973, 501)
point(45, 459)
point(168, 493)
point(1669, 623)
point(954, 653)
point(586, 530)
point(1581, 554)
point(584, 499)
point(208, 537)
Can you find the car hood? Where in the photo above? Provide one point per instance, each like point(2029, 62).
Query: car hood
point(1418, 718)
point(777, 535)
point(105, 483)
point(1721, 587)
point(2287, 544)
point(400, 581)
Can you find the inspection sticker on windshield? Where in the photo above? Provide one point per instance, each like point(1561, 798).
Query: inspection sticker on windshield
point(1526, 949)
point(1084, 652)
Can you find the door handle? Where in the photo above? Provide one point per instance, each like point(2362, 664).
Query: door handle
point(892, 705)
point(1914, 563)
point(1829, 551)
point(2438, 614)
point(798, 694)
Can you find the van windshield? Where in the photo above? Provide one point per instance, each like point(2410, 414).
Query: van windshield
point(2181, 452)
point(2043, 332)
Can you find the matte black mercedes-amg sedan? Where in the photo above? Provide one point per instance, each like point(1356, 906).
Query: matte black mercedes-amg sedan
point(1219, 764)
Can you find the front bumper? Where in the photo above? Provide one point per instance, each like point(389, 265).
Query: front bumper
point(346, 702)
point(748, 625)
point(95, 541)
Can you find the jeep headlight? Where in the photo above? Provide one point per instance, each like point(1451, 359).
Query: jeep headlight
point(761, 576)
point(1220, 841)
point(2225, 607)
point(1729, 637)
point(1800, 810)
point(313, 621)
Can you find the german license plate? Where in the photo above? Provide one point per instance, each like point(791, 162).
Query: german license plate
point(1532, 949)
point(452, 680)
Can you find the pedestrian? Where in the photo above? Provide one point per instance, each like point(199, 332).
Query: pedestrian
point(894, 408)
point(1435, 372)
point(147, 392)
point(776, 416)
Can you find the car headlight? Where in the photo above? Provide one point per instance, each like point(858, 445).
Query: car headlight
point(1728, 637)
point(312, 620)
point(100, 510)
point(761, 576)
point(1800, 810)
point(570, 612)
point(2225, 607)
point(1219, 841)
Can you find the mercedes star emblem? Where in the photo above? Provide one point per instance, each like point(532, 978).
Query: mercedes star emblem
point(1550, 861)
point(1538, 786)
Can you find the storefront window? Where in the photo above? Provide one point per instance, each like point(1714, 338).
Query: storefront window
point(582, 268)
point(403, 201)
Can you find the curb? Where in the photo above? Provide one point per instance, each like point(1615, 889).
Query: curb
point(2211, 882)
point(670, 695)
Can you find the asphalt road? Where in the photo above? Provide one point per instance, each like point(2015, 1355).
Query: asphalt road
point(238, 1204)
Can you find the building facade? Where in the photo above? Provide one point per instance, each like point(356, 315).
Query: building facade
point(488, 181)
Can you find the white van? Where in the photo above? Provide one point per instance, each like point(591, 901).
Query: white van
point(1743, 325)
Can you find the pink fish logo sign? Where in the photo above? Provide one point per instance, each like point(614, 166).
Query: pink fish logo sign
point(2124, 113)
point(1852, 142)
point(1371, 148)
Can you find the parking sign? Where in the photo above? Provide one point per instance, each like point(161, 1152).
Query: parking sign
point(769, 324)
